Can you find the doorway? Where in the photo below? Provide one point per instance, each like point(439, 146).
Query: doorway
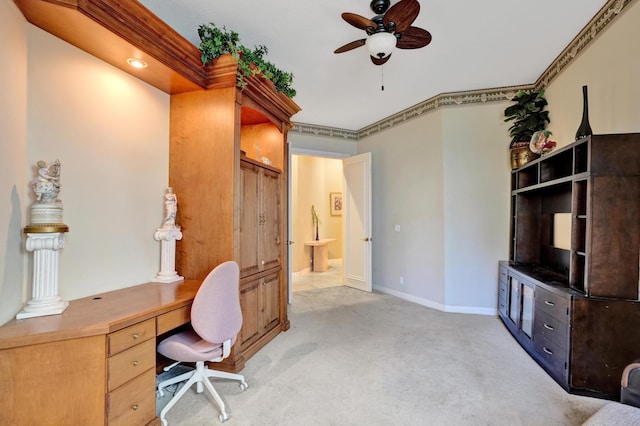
point(316, 181)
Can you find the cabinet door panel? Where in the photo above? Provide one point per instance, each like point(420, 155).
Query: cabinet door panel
point(249, 298)
point(249, 219)
point(270, 295)
point(269, 248)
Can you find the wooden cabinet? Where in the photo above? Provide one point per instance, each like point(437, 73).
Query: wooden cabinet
point(259, 298)
point(260, 230)
point(575, 245)
point(228, 168)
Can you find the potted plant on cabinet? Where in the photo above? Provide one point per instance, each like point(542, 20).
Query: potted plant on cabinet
point(215, 42)
point(528, 116)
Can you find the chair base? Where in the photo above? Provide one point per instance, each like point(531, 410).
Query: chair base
point(200, 376)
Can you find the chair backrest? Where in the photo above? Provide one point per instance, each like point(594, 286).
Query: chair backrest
point(215, 313)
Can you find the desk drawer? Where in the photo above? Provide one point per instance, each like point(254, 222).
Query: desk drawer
point(131, 336)
point(502, 274)
point(553, 356)
point(130, 363)
point(134, 403)
point(556, 305)
point(551, 328)
point(173, 319)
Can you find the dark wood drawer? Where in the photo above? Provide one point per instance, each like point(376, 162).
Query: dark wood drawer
point(555, 304)
point(553, 356)
point(502, 274)
point(551, 328)
point(502, 296)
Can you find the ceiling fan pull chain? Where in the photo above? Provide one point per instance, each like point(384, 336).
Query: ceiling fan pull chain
point(382, 77)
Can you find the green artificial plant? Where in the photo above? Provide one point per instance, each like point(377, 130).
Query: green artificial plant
point(215, 42)
point(528, 115)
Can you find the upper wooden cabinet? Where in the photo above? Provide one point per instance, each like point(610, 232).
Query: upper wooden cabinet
point(260, 230)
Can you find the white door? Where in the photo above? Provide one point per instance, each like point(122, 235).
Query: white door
point(356, 221)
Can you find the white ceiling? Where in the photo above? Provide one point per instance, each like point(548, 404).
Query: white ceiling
point(476, 45)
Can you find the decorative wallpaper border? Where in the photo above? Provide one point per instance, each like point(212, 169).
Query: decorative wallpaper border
point(330, 132)
point(589, 33)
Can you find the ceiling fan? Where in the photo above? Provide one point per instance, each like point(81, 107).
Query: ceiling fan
point(387, 30)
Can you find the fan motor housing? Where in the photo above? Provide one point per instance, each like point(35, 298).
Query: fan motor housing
point(379, 6)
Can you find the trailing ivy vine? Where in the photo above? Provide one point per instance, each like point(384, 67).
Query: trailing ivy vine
point(215, 42)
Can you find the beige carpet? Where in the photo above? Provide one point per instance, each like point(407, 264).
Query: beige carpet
point(355, 358)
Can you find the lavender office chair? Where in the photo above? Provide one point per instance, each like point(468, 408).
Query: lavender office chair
point(216, 320)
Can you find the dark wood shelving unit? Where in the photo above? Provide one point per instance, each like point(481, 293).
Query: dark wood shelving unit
point(569, 292)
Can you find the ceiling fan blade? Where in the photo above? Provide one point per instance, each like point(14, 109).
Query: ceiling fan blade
point(350, 46)
point(379, 61)
point(413, 38)
point(359, 21)
point(402, 14)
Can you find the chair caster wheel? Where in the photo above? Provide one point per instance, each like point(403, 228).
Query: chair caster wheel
point(243, 386)
point(223, 417)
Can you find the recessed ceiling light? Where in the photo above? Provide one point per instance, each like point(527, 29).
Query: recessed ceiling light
point(137, 63)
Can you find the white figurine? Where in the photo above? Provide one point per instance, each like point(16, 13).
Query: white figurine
point(47, 184)
point(170, 209)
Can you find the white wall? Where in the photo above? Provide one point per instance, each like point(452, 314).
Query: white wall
point(476, 205)
point(610, 67)
point(407, 190)
point(444, 178)
point(13, 118)
point(110, 132)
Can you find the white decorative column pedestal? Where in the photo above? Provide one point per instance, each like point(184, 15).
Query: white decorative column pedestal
point(45, 238)
point(45, 243)
point(167, 238)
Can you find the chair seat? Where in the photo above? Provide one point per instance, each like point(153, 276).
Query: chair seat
point(187, 346)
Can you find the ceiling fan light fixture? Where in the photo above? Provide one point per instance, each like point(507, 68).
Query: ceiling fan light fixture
point(380, 45)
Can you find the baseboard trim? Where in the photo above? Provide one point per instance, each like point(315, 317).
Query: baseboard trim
point(439, 306)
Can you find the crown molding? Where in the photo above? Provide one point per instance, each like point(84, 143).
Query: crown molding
point(589, 33)
point(329, 132)
point(444, 99)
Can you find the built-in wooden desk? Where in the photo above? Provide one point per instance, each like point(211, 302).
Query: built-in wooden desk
point(320, 253)
point(94, 364)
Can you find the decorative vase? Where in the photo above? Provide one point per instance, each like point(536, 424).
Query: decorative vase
point(584, 129)
point(521, 155)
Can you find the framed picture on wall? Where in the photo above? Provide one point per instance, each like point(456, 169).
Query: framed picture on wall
point(335, 203)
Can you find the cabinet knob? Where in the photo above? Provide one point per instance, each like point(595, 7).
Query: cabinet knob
point(135, 407)
point(135, 363)
point(135, 336)
point(548, 303)
point(548, 351)
point(548, 327)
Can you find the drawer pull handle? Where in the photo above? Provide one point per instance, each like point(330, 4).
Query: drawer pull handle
point(548, 351)
point(548, 327)
point(135, 363)
point(546, 302)
point(135, 336)
point(135, 407)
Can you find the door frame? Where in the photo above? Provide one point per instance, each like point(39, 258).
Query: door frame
point(313, 153)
